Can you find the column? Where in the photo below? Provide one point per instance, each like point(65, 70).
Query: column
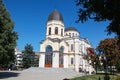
point(55, 60)
point(77, 62)
point(65, 62)
point(41, 60)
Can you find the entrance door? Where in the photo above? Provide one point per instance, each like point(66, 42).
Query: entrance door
point(61, 57)
point(48, 56)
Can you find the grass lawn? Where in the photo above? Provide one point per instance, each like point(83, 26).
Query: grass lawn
point(94, 77)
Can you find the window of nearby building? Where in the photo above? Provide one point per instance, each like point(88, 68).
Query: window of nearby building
point(49, 31)
point(56, 30)
point(72, 60)
point(72, 47)
point(61, 32)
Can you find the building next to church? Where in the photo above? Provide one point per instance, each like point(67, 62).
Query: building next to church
point(63, 48)
point(18, 58)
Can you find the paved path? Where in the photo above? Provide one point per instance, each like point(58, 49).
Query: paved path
point(39, 74)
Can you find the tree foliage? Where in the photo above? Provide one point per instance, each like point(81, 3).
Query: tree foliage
point(101, 10)
point(110, 52)
point(92, 56)
point(28, 56)
point(8, 37)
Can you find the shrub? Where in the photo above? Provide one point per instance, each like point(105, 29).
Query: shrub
point(118, 77)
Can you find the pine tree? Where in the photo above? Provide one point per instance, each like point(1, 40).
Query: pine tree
point(28, 56)
point(8, 37)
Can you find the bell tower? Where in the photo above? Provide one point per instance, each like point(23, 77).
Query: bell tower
point(55, 25)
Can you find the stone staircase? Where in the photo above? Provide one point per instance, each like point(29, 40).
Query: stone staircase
point(52, 73)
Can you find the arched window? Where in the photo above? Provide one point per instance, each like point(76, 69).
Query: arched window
point(72, 47)
point(80, 48)
point(73, 34)
point(62, 49)
point(61, 32)
point(70, 34)
point(56, 30)
point(49, 31)
point(76, 34)
point(85, 49)
point(72, 60)
point(48, 56)
point(48, 48)
point(66, 34)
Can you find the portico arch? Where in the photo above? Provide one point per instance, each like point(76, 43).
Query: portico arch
point(48, 56)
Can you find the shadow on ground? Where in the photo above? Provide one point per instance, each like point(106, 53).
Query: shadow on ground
point(8, 74)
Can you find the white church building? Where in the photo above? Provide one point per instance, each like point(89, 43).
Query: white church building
point(63, 48)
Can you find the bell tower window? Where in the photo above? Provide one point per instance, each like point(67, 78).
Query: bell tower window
point(56, 30)
point(49, 31)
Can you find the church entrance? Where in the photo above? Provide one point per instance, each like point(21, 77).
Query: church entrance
point(61, 57)
point(48, 56)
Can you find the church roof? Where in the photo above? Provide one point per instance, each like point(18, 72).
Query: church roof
point(71, 29)
point(55, 15)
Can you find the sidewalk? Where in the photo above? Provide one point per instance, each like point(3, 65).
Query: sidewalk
point(39, 74)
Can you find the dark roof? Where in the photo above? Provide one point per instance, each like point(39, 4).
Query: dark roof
point(71, 29)
point(55, 15)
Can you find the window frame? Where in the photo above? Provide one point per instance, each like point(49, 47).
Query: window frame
point(49, 30)
point(56, 30)
point(72, 60)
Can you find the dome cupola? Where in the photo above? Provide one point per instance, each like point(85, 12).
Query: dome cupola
point(55, 25)
point(72, 32)
point(71, 29)
point(55, 15)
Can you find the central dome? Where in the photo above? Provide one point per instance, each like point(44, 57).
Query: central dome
point(55, 15)
point(71, 29)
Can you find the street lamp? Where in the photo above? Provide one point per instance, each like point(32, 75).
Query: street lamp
point(106, 69)
point(95, 66)
point(96, 63)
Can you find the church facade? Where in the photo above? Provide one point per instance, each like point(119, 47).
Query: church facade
point(63, 48)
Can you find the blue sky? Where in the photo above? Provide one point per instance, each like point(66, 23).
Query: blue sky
point(30, 17)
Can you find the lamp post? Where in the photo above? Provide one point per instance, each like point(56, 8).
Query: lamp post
point(90, 67)
point(96, 63)
point(95, 67)
point(106, 69)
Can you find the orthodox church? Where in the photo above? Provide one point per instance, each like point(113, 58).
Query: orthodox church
point(63, 48)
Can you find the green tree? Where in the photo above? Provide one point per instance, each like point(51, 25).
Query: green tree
point(8, 37)
point(101, 10)
point(36, 61)
point(28, 56)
